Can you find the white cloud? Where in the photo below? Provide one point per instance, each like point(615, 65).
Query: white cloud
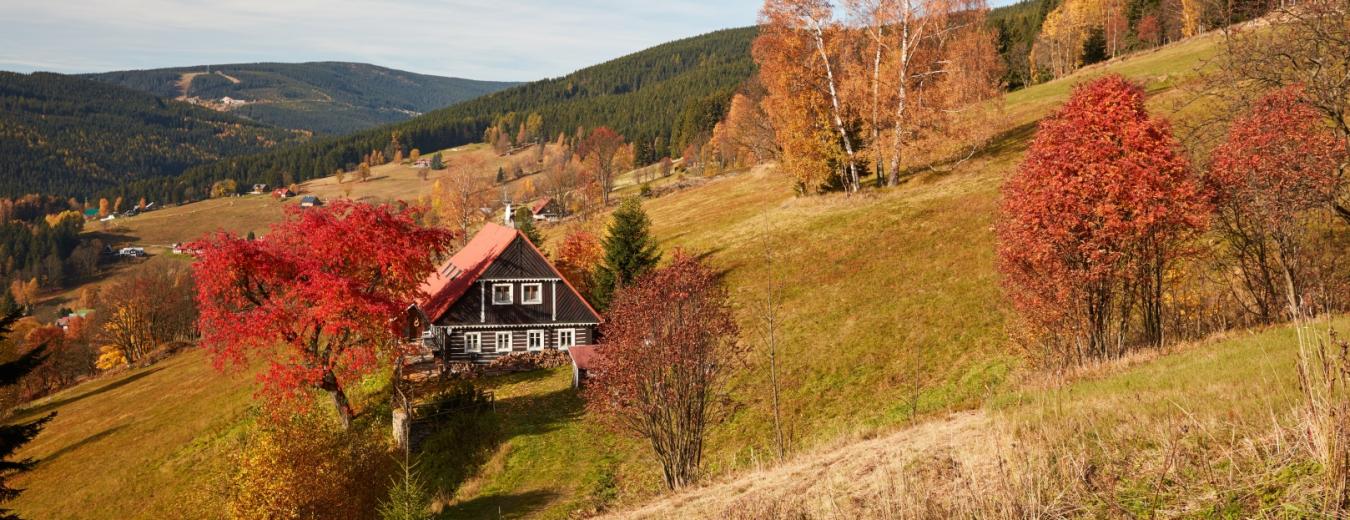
point(503, 39)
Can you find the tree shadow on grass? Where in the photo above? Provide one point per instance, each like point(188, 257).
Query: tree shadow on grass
point(514, 505)
point(25, 413)
point(539, 414)
point(80, 443)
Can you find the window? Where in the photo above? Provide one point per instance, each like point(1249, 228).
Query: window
point(473, 342)
point(566, 338)
point(503, 342)
point(532, 293)
point(501, 294)
point(534, 340)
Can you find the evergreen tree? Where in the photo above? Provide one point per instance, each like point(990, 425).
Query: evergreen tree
point(436, 162)
point(14, 436)
point(1094, 47)
point(630, 251)
point(501, 175)
point(408, 497)
point(525, 223)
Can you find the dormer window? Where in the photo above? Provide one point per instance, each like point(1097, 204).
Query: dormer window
point(532, 293)
point(501, 294)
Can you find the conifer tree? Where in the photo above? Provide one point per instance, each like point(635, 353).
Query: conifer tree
point(525, 223)
point(630, 251)
point(13, 436)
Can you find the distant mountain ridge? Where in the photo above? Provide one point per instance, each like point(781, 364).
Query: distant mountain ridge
point(323, 97)
point(661, 98)
point(70, 136)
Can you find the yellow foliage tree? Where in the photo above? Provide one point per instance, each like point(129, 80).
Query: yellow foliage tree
point(110, 357)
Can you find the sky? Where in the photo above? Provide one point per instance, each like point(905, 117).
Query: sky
point(510, 40)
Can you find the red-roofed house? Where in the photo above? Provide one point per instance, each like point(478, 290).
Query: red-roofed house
point(546, 209)
point(499, 295)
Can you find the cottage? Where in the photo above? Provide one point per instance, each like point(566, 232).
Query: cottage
point(282, 193)
point(546, 209)
point(310, 201)
point(259, 189)
point(496, 296)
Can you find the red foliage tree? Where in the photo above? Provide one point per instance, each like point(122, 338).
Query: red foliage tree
point(1279, 164)
point(669, 342)
point(1095, 214)
point(316, 297)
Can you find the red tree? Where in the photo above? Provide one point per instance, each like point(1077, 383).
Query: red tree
point(604, 144)
point(1096, 213)
point(315, 297)
point(669, 341)
point(1279, 163)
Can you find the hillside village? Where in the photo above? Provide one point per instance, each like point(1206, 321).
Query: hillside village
point(1019, 282)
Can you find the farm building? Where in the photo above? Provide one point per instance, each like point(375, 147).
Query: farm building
point(546, 209)
point(259, 189)
point(496, 296)
point(310, 201)
point(282, 193)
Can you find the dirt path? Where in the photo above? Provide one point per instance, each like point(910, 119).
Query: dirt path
point(857, 469)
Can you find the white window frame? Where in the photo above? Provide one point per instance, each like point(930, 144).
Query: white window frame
point(477, 342)
point(538, 292)
point(531, 335)
point(497, 341)
point(510, 294)
point(570, 334)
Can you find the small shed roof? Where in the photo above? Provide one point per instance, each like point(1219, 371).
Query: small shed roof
point(583, 356)
point(540, 204)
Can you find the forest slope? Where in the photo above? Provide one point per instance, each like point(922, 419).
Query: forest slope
point(69, 136)
point(323, 97)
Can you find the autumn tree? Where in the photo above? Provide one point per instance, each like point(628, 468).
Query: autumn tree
point(670, 343)
point(313, 302)
point(457, 199)
point(24, 293)
point(363, 172)
point(799, 51)
point(1306, 44)
point(1092, 220)
point(630, 251)
point(745, 132)
point(143, 311)
point(104, 207)
point(304, 466)
point(577, 257)
point(602, 145)
point(1277, 168)
point(884, 84)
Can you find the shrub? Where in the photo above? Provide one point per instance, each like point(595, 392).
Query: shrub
point(307, 466)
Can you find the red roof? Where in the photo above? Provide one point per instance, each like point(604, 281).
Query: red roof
point(539, 204)
point(583, 356)
point(456, 275)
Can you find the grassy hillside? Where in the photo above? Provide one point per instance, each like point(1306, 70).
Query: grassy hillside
point(892, 314)
point(137, 445)
point(69, 136)
point(1195, 432)
point(324, 97)
point(660, 98)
